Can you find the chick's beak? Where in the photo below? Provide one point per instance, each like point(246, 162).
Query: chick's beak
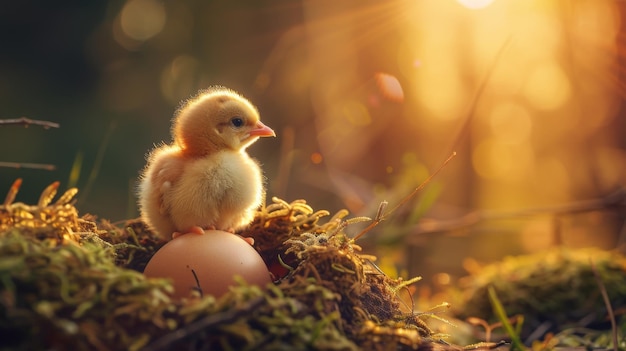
point(261, 130)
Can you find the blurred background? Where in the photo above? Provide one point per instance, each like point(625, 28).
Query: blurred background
point(367, 97)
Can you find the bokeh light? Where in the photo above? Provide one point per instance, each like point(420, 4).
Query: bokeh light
point(142, 19)
point(547, 87)
point(316, 158)
point(511, 123)
point(179, 78)
point(389, 87)
point(492, 158)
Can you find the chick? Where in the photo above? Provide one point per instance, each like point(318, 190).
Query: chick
point(205, 179)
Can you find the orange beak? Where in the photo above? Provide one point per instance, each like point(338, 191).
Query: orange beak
point(261, 130)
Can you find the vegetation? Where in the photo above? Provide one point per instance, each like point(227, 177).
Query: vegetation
point(71, 283)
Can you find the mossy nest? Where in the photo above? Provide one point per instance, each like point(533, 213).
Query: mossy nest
point(553, 291)
point(73, 283)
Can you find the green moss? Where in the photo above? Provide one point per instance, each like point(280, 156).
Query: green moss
point(71, 283)
point(555, 289)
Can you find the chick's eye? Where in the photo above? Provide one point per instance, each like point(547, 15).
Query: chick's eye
point(236, 122)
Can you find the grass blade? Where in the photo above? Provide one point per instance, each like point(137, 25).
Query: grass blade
point(498, 309)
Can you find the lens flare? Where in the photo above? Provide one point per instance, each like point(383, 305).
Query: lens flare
point(389, 87)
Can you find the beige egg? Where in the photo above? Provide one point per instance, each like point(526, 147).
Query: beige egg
point(207, 263)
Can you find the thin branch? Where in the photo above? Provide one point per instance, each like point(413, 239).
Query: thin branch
point(458, 136)
point(421, 186)
point(381, 215)
point(15, 188)
point(28, 122)
point(482, 86)
point(607, 303)
point(613, 200)
point(18, 165)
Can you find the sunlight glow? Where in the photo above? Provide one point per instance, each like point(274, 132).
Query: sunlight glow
point(537, 234)
point(560, 176)
point(495, 158)
point(547, 87)
point(356, 113)
point(475, 4)
point(540, 35)
point(441, 91)
point(520, 87)
point(492, 158)
point(511, 123)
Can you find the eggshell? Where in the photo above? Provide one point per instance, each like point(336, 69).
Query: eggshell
point(207, 263)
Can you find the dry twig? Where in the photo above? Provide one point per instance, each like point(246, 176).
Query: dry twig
point(616, 199)
point(28, 122)
point(381, 215)
point(607, 302)
point(18, 165)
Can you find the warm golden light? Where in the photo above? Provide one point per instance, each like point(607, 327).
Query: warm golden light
point(520, 88)
point(510, 123)
point(560, 177)
point(547, 87)
point(537, 234)
point(539, 35)
point(442, 279)
point(356, 113)
point(440, 89)
point(492, 158)
point(475, 4)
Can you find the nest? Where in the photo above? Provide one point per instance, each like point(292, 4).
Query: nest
point(70, 282)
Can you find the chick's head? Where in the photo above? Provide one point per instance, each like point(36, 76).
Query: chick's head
point(217, 119)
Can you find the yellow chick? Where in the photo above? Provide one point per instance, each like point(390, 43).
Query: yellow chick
point(205, 179)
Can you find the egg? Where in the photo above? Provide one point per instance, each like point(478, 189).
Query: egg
point(207, 263)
